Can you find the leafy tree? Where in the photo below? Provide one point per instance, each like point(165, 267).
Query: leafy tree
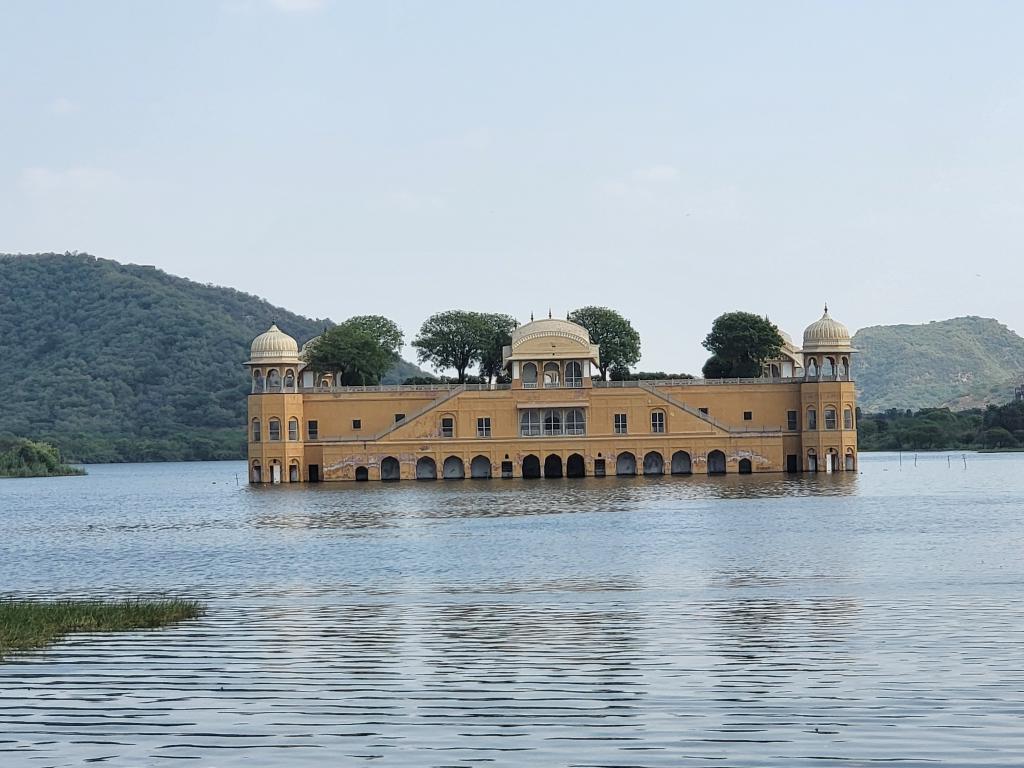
point(384, 330)
point(451, 339)
point(352, 352)
point(495, 335)
point(716, 368)
point(742, 342)
point(618, 340)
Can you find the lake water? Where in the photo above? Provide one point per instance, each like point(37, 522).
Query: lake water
point(736, 621)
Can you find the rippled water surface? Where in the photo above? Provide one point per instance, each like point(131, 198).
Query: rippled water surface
point(737, 621)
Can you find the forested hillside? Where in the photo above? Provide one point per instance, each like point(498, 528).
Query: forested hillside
point(960, 363)
point(114, 362)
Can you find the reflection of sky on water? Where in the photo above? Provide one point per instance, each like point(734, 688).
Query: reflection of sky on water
point(745, 621)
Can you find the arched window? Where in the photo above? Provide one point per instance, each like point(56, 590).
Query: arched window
point(257, 381)
point(575, 422)
point(573, 374)
point(844, 366)
point(828, 367)
point(274, 430)
point(812, 367)
point(830, 418)
point(256, 430)
point(289, 379)
point(552, 422)
point(657, 421)
point(847, 417)
point(529, 423)
point(273, 380)
point(812, 418)
point(529, 375)
point(293, 429)
point(551, 375)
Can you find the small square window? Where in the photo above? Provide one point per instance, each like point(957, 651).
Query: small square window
point(748, 415)
point(483, 426)
point(703, 410)
point(312, 429)
point(357, 423)
point(447, 427)
point(620, 424)
point(399, 417)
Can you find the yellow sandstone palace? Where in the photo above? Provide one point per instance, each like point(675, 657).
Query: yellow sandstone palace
point(553, 419)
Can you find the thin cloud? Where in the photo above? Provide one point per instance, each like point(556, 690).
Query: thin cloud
point(298, 6)
point(62, 106)
point(39, 182)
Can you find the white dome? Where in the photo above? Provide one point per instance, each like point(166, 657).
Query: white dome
point(274, 344)
point(550, 327)
point(826, 334)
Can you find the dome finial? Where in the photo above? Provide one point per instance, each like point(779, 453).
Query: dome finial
point(826, 307)
point(549, 313)
point(531, 317)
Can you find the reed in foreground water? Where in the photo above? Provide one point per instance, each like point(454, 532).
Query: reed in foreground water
point(29, 624)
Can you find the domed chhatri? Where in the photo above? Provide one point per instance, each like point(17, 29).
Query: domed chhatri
point(826, 335)
point(274, 344)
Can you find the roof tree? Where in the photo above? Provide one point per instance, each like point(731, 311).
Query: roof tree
point(618, 340)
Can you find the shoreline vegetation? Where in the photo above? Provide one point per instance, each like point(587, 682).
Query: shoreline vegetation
point(27, 625)
point(996, 428)
point(20, 457)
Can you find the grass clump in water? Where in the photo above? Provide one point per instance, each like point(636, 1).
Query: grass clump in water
point(29, 624)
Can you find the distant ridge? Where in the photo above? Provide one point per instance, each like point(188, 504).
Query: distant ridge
point(960, 363)
point(120, 362)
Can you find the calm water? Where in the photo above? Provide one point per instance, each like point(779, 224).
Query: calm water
point(738, 621)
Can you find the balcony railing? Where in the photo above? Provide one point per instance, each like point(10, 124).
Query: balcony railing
point(442, 387)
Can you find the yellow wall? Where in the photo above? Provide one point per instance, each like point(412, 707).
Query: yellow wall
point(340, 448)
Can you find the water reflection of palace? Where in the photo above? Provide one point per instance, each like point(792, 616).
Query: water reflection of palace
point(553, 419)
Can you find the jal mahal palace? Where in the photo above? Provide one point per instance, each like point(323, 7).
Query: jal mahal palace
point(555, 418)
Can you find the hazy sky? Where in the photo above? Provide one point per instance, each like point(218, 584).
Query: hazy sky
point(672, 160)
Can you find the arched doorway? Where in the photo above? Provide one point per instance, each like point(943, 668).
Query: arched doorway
point(480, 468)
point(654, 464)
point(531, 467)
point(716, 463)
point(851, 462)
point(625, 464)
point(257, 472)
point(833, 460)
point(390, 470)
point(812, 461)
point(293, 472)
point(453, 469)
point(575, 466)
point(746, 467)
point(681, 464)
point(426, 468)
point(553, 466)
point(362, 474)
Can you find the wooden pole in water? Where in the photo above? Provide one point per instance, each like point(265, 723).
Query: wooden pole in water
point(915, 459)
point(965, 461)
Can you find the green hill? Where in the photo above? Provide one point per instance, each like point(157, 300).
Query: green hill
point(960, 363)
point(114, 362)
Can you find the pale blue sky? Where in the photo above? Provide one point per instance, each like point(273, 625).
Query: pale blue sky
point(672, 160)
